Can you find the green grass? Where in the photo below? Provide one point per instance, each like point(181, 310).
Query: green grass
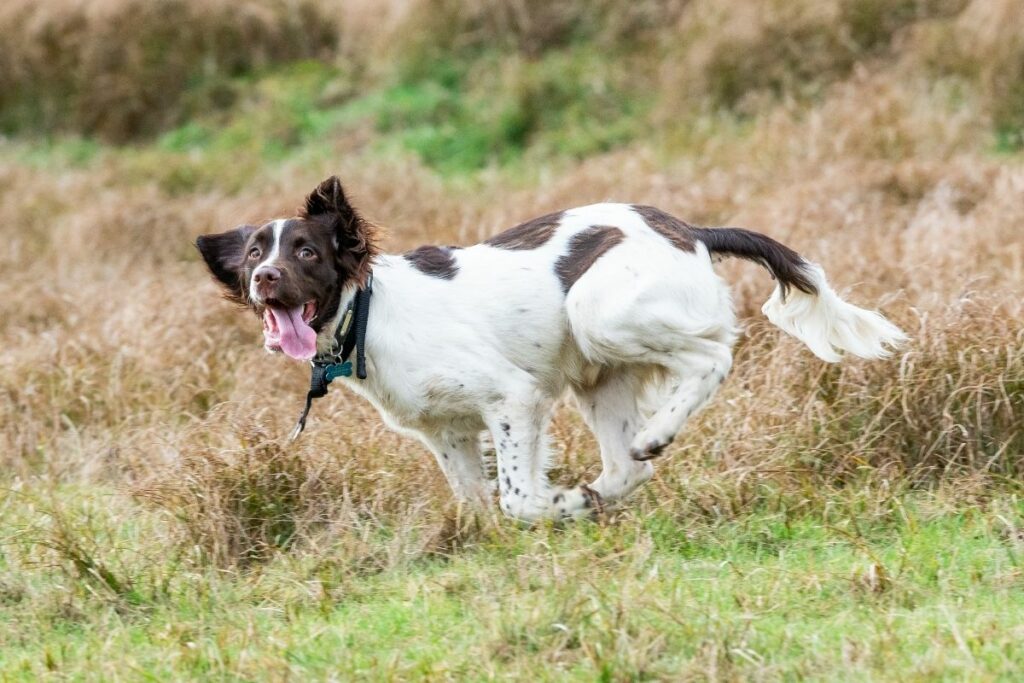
point(569, 103)
point(457, 117)
point(825, 595)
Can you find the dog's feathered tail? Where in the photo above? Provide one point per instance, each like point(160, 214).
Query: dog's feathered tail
point(803, 304)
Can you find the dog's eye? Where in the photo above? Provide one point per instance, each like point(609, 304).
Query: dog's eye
point(254, 253)
point(307, 253)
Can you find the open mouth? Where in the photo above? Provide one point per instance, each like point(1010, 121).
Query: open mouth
point(288, 329)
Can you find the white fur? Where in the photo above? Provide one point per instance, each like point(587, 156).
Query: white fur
point(643, 340)
point(269, 258)
point(829, 325)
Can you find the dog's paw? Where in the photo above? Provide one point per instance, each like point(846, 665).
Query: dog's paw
point(647, 448)
point(592, 500)
point(579, 502)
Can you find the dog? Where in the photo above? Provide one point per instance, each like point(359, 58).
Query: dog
point(616, 304)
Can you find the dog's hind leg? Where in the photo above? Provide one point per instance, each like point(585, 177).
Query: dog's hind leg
point(695, 377)
point(612, 411)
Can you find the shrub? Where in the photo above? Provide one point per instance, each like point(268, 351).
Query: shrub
point(119, 69)
point(732, 52)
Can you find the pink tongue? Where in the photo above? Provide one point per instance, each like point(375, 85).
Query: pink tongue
point(298, 339)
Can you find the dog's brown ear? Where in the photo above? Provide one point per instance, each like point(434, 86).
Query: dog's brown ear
point(224, 254)
point(355, 238)
point(328, 199)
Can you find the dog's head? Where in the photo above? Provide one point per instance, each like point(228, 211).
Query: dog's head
point(291, 271)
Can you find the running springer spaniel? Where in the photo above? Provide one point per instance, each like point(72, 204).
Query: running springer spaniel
point(617, 303)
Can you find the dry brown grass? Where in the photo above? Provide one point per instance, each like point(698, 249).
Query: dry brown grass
point(884, 182)
point(105, 382)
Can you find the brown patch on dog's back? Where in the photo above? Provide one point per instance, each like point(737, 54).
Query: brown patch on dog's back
point(585, 248)
point(434, 261)
point(679, 233)
point(529, 235)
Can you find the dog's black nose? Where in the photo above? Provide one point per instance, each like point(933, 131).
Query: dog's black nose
point(268, 274)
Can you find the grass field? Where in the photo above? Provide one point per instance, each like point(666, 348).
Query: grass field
point(881, 586)
point(861, 521)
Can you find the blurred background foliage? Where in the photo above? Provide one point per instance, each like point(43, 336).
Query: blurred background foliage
point(465, 84)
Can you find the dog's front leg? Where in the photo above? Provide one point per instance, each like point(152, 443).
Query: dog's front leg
point(521, 441)
point(458, 454)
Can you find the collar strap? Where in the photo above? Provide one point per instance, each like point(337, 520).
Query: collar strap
point(349, 335)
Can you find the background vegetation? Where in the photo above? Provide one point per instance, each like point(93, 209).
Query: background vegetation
point(855, 521)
